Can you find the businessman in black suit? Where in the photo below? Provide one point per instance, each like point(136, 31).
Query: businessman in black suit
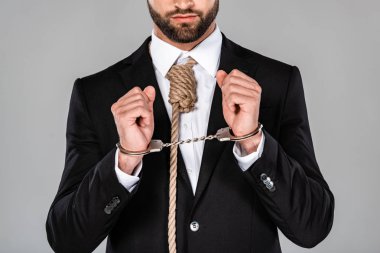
point(230, 207)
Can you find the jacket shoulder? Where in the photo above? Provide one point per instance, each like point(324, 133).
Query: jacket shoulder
point(263, 62)
point(272, 75)
point(106, 74)
point(112, 72)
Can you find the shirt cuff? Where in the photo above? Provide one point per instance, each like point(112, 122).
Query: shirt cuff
point(246, 160)
point(128, 181)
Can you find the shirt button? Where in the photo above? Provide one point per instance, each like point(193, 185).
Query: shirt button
point(185, 126)
point(190, 170)
point(194, 226)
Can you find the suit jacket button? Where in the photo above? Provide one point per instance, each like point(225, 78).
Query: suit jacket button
point(269, 185)
point(263, 177)
point(116, 200)
point(108, 209)
point(194, 226)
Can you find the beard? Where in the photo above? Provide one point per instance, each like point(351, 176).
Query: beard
point(184, 33)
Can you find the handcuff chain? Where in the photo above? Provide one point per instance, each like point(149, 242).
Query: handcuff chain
point(203, 138)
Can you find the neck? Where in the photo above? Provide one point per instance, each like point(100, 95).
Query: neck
point(184, 46)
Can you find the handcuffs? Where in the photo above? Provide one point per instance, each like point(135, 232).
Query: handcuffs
point(223, 134)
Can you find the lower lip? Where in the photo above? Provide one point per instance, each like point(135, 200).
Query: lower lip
point(185, 19)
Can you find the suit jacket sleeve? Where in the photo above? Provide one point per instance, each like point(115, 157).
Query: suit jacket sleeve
point(90, 198)
point(300, 202)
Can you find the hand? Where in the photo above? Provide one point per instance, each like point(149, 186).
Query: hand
point(133, 115)
point(241, 104)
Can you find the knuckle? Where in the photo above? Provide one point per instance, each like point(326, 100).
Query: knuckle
point(248, 92)
point(116, 117)
point(113, 107)
point(259, 89)
point(141, 96)
point(226, 89)
point(233, 79)
point(121, 99)
point(232, 88)
point(136, 89)
point(135, 97)
point(118, 112)
point(235, 72)
point(140, 103)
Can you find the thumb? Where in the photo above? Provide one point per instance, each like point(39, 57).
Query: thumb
point(150, 92)
point(220, 76)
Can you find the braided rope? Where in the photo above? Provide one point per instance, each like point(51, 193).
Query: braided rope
point(182, 97)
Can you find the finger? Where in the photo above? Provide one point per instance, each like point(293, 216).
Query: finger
point(133, 97)
point(150, 92)
point(133, 113)
point(134, 94)
point(133, 104)
point(230, 106)
point(238, 73)
point(220, 76)
point(238, 99)
point(242, 82)
point(131, 92)
point(240, 89)
point(136, 91)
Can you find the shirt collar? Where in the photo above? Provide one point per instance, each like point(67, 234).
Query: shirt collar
point(206, 53)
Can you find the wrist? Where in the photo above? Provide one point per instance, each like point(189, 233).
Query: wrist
point(251, 145)
point(128, 163)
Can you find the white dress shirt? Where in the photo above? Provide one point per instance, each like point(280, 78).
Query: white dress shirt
point(191, 124)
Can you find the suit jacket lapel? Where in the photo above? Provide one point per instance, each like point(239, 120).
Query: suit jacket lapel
point(213, 149)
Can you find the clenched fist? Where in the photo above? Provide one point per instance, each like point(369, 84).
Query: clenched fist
point(241, 104)
point(133, 115)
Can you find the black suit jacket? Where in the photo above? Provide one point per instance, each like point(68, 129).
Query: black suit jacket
point(235, 210)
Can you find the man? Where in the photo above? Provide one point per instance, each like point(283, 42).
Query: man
point(230, 197)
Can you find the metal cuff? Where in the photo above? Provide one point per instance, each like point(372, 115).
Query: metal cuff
point(224, 134)
point(154, 146)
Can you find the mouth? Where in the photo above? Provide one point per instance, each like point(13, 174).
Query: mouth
point(184, 17)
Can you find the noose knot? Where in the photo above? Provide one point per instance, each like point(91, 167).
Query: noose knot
point(182, 86)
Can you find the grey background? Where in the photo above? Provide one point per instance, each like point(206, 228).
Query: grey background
point(45, 45)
